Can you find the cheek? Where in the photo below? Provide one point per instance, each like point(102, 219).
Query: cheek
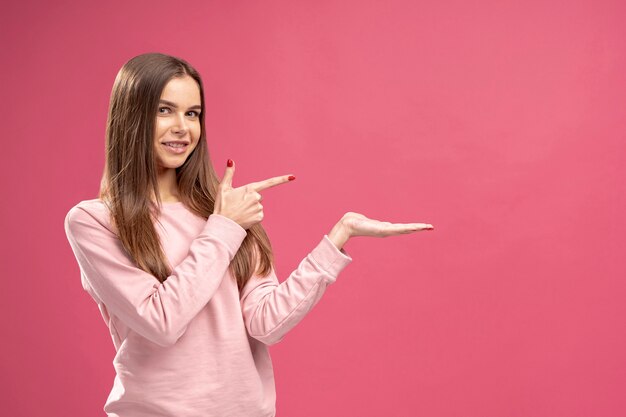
point(196, 130)
point(160, 127)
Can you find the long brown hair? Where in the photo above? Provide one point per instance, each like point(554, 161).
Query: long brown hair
point(130, 173)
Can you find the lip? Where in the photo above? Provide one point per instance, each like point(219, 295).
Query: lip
point(184, 142)
point(176, 151)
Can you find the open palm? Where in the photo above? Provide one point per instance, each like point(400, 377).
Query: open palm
point(359, 225)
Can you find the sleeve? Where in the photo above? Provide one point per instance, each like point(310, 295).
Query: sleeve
point(271, 309)
point(157, 311)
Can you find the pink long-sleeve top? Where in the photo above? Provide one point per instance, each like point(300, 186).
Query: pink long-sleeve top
point(192, 345)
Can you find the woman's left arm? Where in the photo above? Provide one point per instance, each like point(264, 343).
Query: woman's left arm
point(270, 309)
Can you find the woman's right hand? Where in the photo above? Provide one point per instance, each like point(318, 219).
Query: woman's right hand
point(243, 204)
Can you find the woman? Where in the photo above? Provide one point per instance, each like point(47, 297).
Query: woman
point(178, 262)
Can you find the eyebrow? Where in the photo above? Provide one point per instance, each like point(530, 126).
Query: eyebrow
point(169, 103)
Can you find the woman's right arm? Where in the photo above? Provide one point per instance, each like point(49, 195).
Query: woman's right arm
point(158, 311)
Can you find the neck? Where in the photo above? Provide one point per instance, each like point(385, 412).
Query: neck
point(168, 188)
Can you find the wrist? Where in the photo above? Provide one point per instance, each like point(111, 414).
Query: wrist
point(339, 235)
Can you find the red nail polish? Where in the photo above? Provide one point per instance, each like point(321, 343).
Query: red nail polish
point(229, 163)
point(291, 178)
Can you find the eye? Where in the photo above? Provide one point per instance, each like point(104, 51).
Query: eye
point(195, 113)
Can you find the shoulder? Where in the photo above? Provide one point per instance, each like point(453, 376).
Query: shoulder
point(88, 213)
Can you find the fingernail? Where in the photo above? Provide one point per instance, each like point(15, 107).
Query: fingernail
point(229, 163)
point(291, 178)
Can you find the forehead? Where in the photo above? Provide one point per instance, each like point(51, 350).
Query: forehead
point(182, 90)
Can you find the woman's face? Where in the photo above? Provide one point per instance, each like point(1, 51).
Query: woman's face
point(177, 120)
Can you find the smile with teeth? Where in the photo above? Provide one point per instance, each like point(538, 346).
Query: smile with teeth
point(175, 148)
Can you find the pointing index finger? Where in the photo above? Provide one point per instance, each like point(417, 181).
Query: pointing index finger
point(270, 182)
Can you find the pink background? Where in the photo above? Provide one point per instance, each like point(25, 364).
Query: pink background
point(499, 122)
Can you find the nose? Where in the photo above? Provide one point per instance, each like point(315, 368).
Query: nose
point(180, 126)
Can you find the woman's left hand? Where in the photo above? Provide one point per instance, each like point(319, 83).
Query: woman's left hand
point(359, 225)
point(355, 224)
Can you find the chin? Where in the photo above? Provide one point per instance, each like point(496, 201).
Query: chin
point(168, 164)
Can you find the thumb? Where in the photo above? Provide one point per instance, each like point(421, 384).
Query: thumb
point(227, 180)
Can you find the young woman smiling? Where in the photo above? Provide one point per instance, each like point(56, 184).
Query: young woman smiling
point(178, 262)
